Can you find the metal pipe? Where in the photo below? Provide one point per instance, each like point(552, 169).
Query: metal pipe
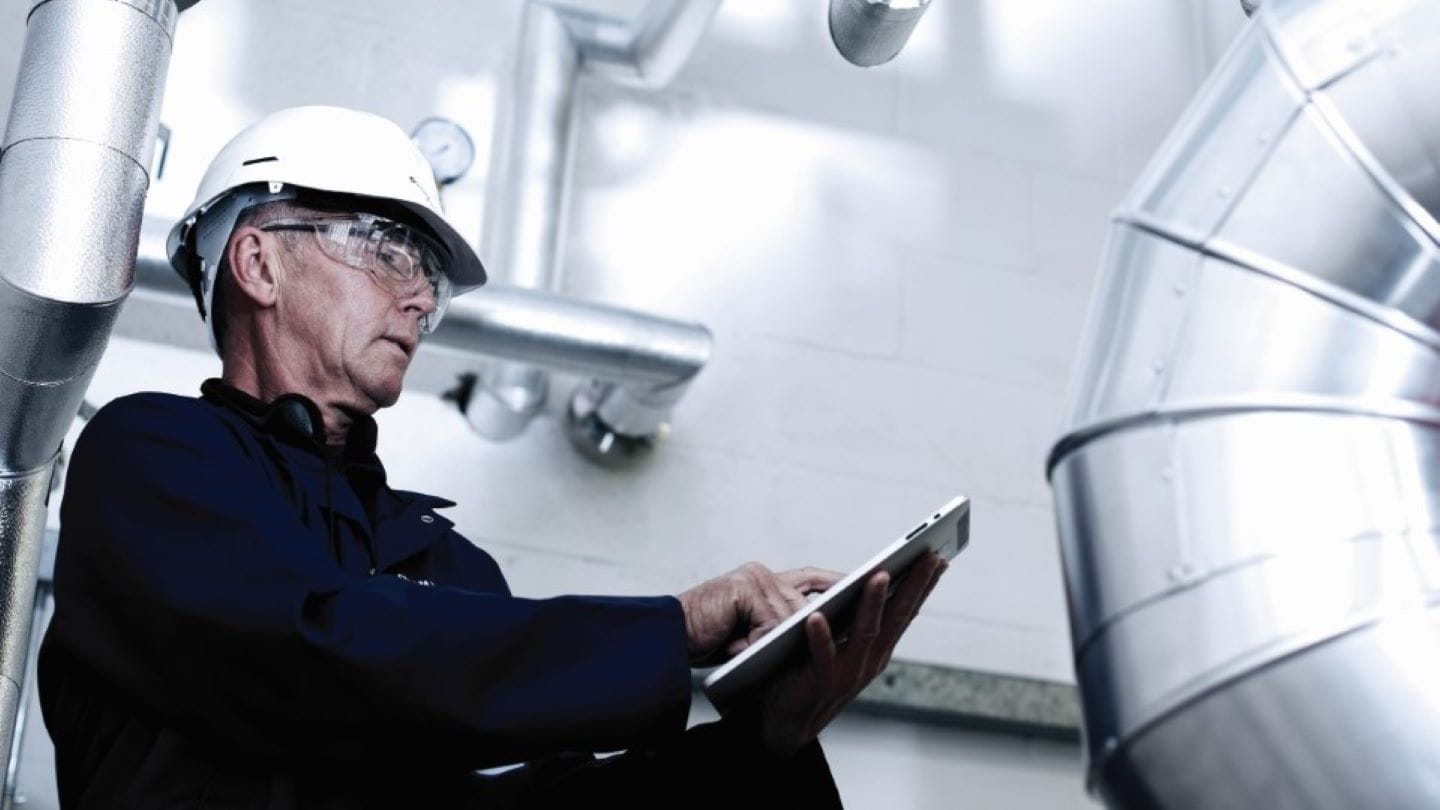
point(642, 363)
point(523, 232)
point(645, 49)
point(563, 334)
point(40, 617)
point(73, 175)
point(1248, 484)
point(871, 32)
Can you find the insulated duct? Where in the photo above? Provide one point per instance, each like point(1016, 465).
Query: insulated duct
point(525, 211)
point(73, 175)
point(1248, 486)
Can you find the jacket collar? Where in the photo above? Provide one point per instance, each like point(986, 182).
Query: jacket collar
point(405, 523)
point(294, 419)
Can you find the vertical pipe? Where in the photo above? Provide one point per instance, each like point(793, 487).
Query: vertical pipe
point(73, 175)
point(523, 227)
point(525, 214)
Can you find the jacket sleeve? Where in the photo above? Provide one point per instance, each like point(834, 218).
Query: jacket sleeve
point(185, 580)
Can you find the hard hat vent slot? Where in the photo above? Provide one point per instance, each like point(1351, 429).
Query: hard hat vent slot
point(253, 161)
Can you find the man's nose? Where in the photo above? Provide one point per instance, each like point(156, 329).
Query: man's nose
point(419, 300)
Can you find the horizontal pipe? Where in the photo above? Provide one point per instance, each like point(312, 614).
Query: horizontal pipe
point(647, 358)
point(562, 334)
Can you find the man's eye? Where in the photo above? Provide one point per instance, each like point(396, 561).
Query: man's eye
point(392, 260)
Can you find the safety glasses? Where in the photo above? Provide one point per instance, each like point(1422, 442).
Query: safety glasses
point(397, 256)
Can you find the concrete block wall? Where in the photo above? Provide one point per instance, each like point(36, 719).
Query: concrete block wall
point(896, 263)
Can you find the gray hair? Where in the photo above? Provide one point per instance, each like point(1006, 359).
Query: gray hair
point(255, 216)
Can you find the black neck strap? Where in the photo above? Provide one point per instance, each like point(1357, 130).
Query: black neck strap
point(291, 416)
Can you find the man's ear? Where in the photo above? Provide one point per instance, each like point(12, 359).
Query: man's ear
point(253, 267)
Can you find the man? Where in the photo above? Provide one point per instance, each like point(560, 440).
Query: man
point(248, 616)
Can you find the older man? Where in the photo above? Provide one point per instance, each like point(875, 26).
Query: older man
point(247, 615)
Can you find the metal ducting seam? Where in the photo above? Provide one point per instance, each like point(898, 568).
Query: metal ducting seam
point(73, 176)
point(1247, 486)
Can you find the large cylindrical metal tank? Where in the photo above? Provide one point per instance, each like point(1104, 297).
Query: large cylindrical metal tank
point(1248, 482)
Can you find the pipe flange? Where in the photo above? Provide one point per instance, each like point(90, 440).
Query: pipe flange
point(505, 400)
point(597, 440)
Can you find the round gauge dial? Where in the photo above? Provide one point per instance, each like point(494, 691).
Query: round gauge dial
point(447, 146)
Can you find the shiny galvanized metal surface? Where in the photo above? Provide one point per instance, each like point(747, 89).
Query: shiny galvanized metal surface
point(74, 82)
point(871, 32)
point(525, 217)
point(73, 177)
point(22, 515)
point(1248, 483)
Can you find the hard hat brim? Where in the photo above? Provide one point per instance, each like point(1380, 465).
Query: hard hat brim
point(466, 271)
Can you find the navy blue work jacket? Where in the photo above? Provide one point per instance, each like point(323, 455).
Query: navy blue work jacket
point(244, 620)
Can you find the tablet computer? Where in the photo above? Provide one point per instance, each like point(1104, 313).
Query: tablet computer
point(945, 531)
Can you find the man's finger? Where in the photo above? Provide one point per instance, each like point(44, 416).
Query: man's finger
point(762, 607)
point(934, 580)
point(780, 602)
point(907, 600)
point(939, 569)
point(823, 655)
point(810, 579)
point(866, 626)
point(793, 598)
point(758, 633)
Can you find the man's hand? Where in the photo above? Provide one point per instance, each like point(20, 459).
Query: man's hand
point(731, 611)
point(799, 703)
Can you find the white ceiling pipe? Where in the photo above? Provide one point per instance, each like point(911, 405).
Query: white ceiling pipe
point(1248, 486)
point(525, 215)
point(73, 176)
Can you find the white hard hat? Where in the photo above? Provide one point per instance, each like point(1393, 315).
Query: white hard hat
point(325, 149)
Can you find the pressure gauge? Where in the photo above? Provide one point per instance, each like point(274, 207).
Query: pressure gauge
point(447, 146)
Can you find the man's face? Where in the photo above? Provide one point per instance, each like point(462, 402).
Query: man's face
point(358, 332)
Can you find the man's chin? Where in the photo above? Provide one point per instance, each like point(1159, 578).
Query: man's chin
point(382, 385)
point(384, 396)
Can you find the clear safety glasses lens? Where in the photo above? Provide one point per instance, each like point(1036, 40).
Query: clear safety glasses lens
point(395, 255)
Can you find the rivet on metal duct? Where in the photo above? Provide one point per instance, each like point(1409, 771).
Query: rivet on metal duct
point(871, 32)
